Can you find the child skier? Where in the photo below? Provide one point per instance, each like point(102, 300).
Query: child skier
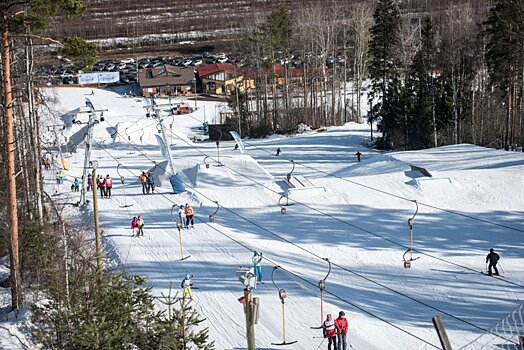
point(186, 284)
point(257, 259)
point(77, 185)
point(134, 226)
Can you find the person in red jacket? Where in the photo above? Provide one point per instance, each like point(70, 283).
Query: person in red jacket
point(341, 323)
point(330, 332)
point(109, 186)
point(101, 184)
point(134, 225)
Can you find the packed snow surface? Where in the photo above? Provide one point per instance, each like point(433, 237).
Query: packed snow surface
point(473, 201)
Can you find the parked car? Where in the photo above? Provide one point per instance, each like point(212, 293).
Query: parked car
point(222, 59)
point(128, 60)
point(121, 65)
point(187, 63)
point(109, 67)
point(197, 62)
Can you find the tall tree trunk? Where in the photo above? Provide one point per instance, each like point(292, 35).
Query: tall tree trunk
point(16, 283)
point(522, 103)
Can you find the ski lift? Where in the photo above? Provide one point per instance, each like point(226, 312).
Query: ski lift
point(282, 295)
point(207, 164)
point(212, 216)
point(179, 227)
point(122, 179)
point(283, 205)
point(411, 221)
point(288, 176)
point(322, 286)
point(159, 128)
point(128, 136)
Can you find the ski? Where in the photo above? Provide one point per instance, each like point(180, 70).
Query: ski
point(493, 275)
point(184, 258)
point(316, 327)
point(285, 343)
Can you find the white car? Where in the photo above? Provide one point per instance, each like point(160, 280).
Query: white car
point(128, 60)
point(222, 59)
point(187, 63)
point(197, 62)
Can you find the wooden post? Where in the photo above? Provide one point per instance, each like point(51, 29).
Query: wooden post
point(180, 240)
point(250, 320)
point(97, 224)
point(16, 283)
point(439, 326)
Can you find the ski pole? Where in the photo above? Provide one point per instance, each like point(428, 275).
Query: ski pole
point(501, 268)
point(322, 342)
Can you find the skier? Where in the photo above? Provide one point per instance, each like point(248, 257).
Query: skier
point(57, 177)
point(61, 176)
point(186, 284)
point(493, 259)
point(358, 154)
point(143, 181)
point(257, 259)
point(134, 226)
point(89, 181)
point(101, 183)
point(76, 183)
point(150, 183)
point(236, 147)
point(109, 186)
point(330, 332)
point(189, 216)
point(140, 226)
point(278, 151)
point(182, 216)
point(341, 323)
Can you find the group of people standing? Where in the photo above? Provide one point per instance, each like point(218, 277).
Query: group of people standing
point(105, 184)
point(336, 330)
point(137, 226)
point(185, 216)
point(148, 182)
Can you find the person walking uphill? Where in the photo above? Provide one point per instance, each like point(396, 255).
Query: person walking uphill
point(189, 216)
point(143, 181)
point(493, 259)
point(341, 323)
point(257, 259)
point(330, 332)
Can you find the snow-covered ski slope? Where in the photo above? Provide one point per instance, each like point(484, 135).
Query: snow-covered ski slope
point(472, 202)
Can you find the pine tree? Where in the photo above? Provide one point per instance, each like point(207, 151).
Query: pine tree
point(505, 56)
point(384, 48)
point(420, 86)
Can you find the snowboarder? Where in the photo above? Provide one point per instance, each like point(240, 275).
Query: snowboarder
point(134, 226)
point(182, 216)
point(330, 332)
point(186, 284)
point(358, 154)
point(101, 183)
point(189, 216)
point(143, 181)
point(140, 226)
point(150, 183)
point(109, 186)
point(493, 259)
point(341, 323)
point(278, 151)
point(257, 259)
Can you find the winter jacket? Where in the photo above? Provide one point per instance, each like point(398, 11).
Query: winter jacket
point(342, 325)
point(143, 178)
point(134, 223)
point(109, 182)
point(151, 180)
point(493, 258)
point(257, 258)
point(189, 210)
point(329, 328)
point(140, 222)
point(181, 213)
point(101, 182)
point(186, 283)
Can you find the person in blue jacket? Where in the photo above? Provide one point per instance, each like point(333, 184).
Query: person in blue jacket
point(150, 183)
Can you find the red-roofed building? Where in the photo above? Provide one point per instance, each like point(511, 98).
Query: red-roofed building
point(218, 78)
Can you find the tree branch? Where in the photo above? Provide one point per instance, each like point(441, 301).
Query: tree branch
point(43, 38)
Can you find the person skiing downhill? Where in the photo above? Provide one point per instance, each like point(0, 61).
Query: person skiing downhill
point(341, 323)
point(493, 259)
point(257, 259)
point(134, 226)
point(189, 216)
point(330, 332)
point(182, 216)
point(140, 226)
point(186, 284)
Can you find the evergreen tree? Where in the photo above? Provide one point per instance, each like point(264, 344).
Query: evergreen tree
point(384, 48)
point(82, 52)
point(420, 86)
point(505, 55)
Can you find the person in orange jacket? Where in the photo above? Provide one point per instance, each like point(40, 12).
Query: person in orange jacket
point(189, 216)
point(341, 323)
point(143, 181)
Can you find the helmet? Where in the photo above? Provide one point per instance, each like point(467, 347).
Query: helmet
point(342, 313)
point(188, 275)
point(491, 250)
point(329, 317)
